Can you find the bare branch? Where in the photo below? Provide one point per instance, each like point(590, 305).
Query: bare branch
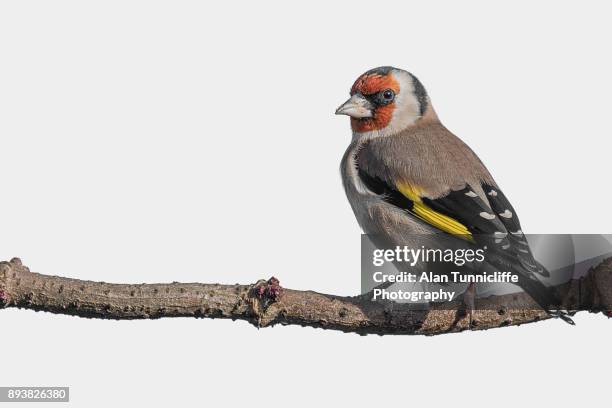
point(265, 303)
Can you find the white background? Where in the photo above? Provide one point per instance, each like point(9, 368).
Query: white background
point(146, 141)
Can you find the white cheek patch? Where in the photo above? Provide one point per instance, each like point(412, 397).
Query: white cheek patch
point(407, 108)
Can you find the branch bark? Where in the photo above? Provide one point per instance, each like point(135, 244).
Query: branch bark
point(265, 303)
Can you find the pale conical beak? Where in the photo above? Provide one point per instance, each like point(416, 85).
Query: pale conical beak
point(356, 107)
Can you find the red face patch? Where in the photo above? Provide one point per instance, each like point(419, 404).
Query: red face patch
point(371, 84)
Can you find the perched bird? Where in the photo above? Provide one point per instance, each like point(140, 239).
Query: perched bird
point(413, 182)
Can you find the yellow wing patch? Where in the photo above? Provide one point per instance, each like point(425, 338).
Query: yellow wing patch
point(434, 218)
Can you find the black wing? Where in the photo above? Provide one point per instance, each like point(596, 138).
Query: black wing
point(495, 225)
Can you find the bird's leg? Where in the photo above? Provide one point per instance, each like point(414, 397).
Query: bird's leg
point(469, 299)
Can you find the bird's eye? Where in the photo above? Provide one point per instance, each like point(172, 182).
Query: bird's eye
point(385, 97)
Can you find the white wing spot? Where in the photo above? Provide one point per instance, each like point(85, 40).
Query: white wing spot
point(506, 246)
point(471, 194)
point(487, 216)
point(506, 214)
point(519, 232)
point(500, 234)
point(492, 193)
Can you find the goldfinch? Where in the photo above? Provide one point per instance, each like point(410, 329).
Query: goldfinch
point(413, 182)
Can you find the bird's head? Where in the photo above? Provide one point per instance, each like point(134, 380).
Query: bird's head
point(385, 101)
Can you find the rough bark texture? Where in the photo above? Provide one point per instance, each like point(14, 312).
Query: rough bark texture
point(265, 303)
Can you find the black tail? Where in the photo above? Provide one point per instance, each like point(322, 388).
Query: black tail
point(545, 297)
